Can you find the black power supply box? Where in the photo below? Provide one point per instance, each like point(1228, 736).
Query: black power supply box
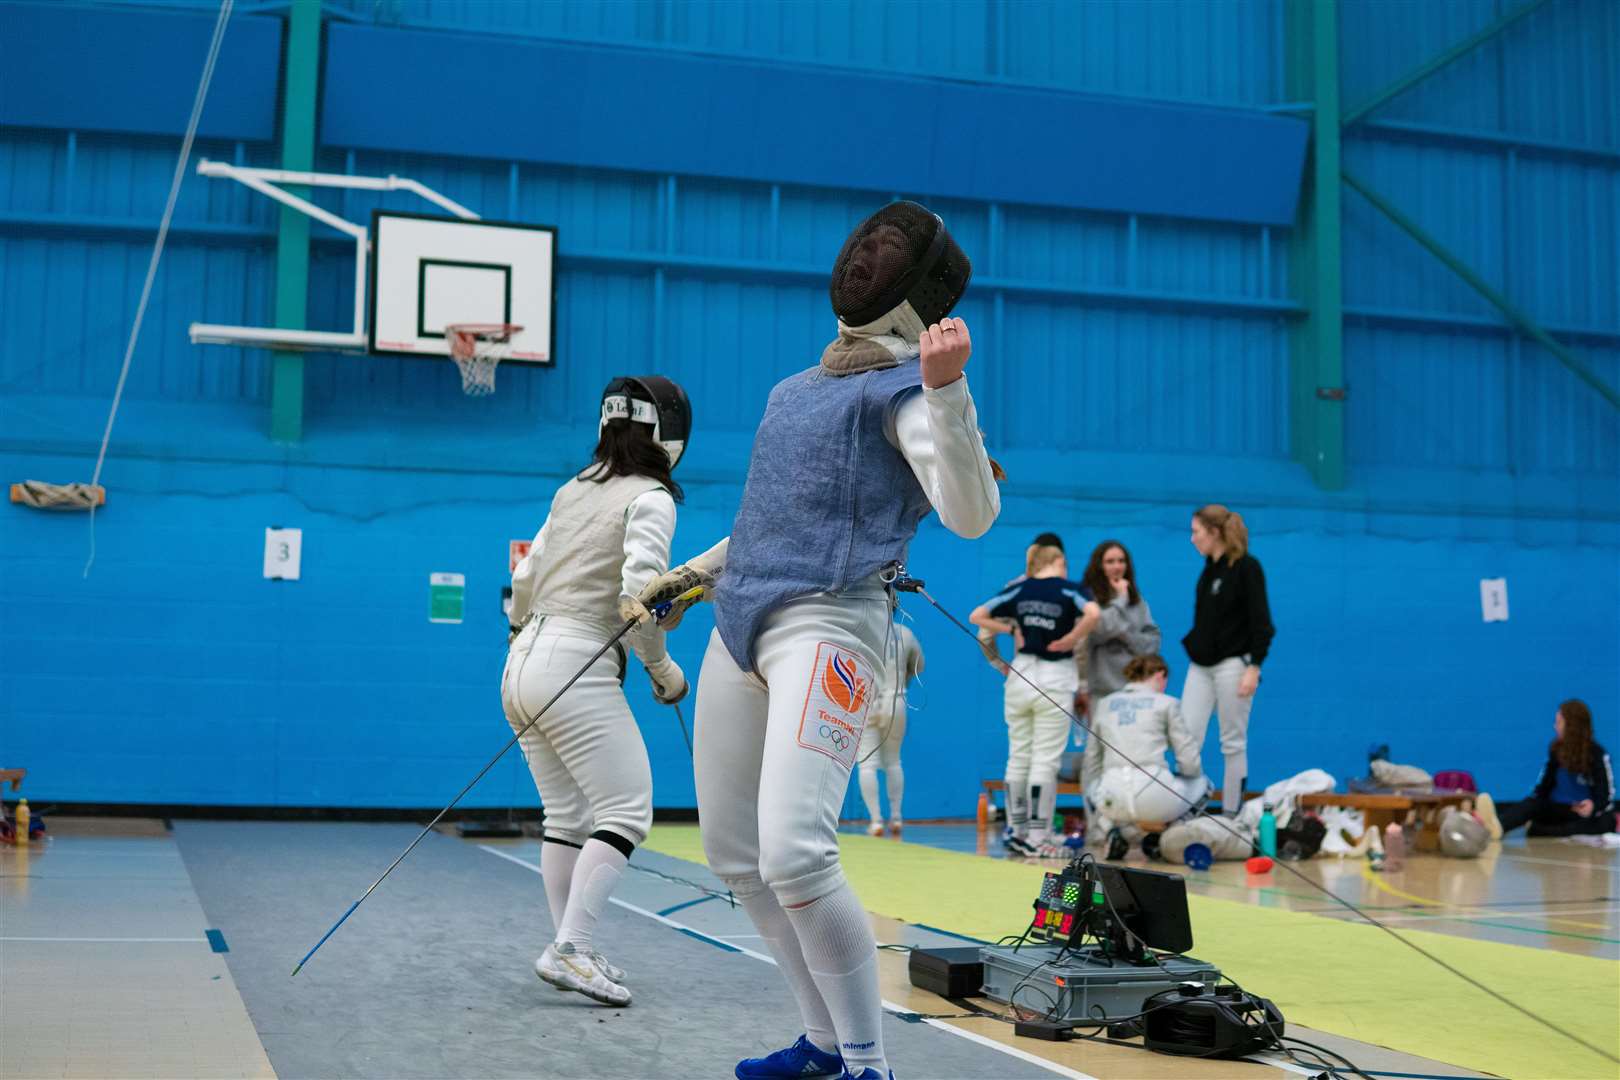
point(950, 973)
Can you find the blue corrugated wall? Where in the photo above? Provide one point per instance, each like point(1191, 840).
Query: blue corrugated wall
point(1129, 366)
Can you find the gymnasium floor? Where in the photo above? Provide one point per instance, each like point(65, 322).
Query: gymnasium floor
point(131, 949)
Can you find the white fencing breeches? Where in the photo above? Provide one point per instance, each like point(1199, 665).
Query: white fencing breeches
point(1211, 689)
point(1037, 734)
point(772, 765)
point(880, 749)
point(586, 753)
point(1124, 796)
point(880, 741)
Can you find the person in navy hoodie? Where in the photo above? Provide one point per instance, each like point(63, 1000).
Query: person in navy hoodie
point(1575, 795)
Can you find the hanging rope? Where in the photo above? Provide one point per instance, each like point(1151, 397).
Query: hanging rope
point(157, 253)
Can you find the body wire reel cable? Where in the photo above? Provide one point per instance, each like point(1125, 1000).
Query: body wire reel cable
point(681, 720)
point(901, 582)
point(659, 613)
point(612, 641)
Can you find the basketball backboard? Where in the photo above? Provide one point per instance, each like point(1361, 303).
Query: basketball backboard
point(416, 274)
point(429, 271)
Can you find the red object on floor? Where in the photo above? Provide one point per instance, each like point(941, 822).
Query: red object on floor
point(1260, 864)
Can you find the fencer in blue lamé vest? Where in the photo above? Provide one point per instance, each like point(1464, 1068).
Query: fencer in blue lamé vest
point(829, 500)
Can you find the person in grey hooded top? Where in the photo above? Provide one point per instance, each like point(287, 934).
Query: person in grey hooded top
point(1124, 628)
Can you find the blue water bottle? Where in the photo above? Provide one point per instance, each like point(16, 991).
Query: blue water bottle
point(1268, 833)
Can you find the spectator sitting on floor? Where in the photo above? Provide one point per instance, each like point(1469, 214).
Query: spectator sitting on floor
point(1575, 795)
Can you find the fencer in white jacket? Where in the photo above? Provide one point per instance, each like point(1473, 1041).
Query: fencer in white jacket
point(886, 729)
point(850, 456)
point(608, 533)
point(1123, 773)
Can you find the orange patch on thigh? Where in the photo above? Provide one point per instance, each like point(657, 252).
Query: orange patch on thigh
point(835, 704)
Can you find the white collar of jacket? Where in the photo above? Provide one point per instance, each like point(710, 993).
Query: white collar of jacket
point(883, 343)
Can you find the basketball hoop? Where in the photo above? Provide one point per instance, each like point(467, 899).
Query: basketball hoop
point(477, 348)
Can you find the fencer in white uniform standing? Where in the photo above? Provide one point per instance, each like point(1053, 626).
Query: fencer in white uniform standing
point(1127, 781)
point(1046, 614)
point(886, 728)
point(850, 455)
point(607, 535)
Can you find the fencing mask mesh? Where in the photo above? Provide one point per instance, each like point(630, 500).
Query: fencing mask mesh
point(902, 252)
point(655, 400)
point(1462, 836)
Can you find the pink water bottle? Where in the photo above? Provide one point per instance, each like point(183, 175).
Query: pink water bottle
point(1394, 847)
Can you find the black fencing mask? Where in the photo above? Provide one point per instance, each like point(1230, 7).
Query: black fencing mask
point(901, 253)
point(655, 400)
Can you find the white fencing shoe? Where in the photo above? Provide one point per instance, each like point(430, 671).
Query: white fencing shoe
point(568, 969)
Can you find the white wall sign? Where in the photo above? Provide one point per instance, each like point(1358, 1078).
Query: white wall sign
point(282, 551)
point(1493, 599)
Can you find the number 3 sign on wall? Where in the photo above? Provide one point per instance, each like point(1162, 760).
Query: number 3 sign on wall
point(282, 551)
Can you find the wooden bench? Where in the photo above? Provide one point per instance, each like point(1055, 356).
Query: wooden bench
point(1065, 787)
point(1385, 809)
point(1378, 810)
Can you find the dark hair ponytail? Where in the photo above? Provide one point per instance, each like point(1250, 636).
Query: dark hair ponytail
point(626, 448)
point(1573, 748)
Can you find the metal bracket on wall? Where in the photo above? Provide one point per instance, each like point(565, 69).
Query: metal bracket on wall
point(1333, 393)
point(264, 181)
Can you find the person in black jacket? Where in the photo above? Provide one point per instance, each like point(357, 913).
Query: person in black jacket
point(1228, 642)
point(1575, 795)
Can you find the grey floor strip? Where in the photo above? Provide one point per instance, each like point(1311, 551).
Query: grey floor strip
point(433, 977)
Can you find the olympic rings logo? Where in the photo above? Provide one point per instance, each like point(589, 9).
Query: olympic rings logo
point(835, 736)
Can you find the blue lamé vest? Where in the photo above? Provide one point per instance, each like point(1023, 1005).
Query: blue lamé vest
point(829, 501)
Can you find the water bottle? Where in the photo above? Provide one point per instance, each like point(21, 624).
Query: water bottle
point(1268, 833)
point(23, 817)
point(1394, 847)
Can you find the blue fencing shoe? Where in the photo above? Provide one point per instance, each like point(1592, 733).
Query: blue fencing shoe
point(866, 1074)
point(802, 1059)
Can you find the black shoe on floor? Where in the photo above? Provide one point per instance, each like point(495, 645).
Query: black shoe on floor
point(1118, 847)
point(1150, 847)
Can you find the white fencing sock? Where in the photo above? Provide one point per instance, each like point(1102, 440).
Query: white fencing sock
point(1018, 804)
point(601, 861)
point(782, 940)
point(842, 956)
point(1042, 805)
point(1237, 771)
point(897, 789)
point(869, 792)
point(557, 859)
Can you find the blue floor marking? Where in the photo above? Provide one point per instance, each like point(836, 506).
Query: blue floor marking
point(687, 904)
point(707, 940)
point(947, 933)
point(216, 941)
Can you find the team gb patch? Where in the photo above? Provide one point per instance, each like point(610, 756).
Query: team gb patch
point(835, 704)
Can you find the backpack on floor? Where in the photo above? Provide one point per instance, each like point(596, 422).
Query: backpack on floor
point(1455, 780)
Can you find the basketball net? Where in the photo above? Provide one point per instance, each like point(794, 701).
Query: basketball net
point(477, 348)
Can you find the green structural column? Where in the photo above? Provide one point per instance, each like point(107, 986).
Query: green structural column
point(1317, 346)
point(303, 53)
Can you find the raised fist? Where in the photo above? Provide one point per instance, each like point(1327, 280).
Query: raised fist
point(945, 350)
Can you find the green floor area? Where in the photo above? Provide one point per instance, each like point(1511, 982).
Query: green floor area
point(1349, 978)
